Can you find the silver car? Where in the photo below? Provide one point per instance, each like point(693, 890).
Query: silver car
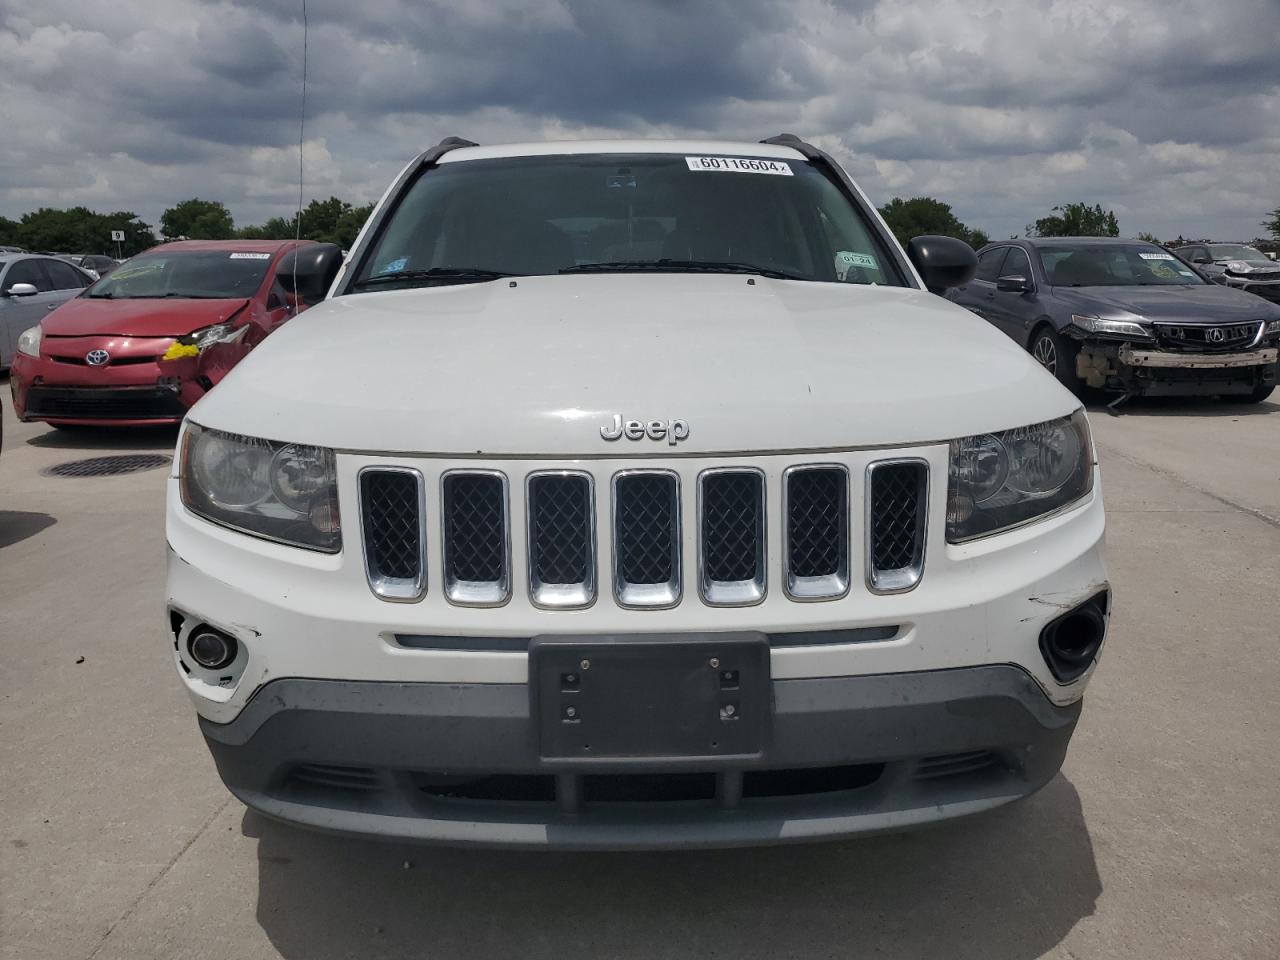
point(1236, 265)
point(31, 286)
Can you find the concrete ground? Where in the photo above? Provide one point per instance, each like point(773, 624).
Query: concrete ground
point(1160, 838)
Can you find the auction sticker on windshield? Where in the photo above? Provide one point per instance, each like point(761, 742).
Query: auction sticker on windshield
point(739, 165)
point(1156, 256)
point(250, 256)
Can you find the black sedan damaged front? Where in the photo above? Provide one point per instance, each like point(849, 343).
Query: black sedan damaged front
point(1176, 358)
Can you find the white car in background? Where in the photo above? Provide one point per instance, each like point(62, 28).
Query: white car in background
point(635, 494)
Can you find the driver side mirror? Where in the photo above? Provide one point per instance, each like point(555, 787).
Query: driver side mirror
point(1014, 284)
point(309, 269)
point(22, 290)
point(942, 262)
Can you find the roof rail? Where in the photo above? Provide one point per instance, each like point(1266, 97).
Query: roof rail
point(795, 143)
point(444, 146)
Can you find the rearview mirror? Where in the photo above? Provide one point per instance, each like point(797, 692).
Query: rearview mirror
point(942, 261)
point(22, 290)
point(1013, 284)
point(310, 269)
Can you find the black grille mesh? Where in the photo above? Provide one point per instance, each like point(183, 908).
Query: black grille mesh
point(896, 536)
point(646, 522)
point(732, 526)
point(560, 525)
point(475, 525)
point(817, 522)
point(392, 540)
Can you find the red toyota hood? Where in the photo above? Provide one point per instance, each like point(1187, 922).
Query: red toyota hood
point(83, 317)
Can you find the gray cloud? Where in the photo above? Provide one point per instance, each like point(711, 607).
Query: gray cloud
point(1166, 110)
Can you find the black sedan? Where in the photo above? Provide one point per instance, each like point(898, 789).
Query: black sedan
point(1125, 317)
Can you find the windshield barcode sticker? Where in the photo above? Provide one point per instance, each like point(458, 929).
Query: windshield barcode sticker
point(250, 256)
point(778, 168)
point(1156, 256)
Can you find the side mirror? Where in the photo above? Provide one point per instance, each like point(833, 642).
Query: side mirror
point(1014, 284)
point(22, 290)
point(942, 261)
point(310, 269)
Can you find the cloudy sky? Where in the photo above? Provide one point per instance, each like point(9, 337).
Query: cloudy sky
point(1165, 110)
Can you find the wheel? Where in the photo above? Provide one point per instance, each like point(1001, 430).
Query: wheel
point(1057, 354)
point(1260, 393)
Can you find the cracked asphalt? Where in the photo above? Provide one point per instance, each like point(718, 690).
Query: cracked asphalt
point(1159, 839)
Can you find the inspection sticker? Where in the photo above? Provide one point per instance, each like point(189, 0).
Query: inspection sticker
point(250, 256)
point(1156, 256)
point(778, 168)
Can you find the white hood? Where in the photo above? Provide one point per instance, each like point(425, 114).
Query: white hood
point(538, 367)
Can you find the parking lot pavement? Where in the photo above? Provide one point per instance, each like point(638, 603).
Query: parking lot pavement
point(1160, 838)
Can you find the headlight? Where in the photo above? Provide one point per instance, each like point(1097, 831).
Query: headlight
point(194, 344)
point(1002, 480)
point(287, 492)
point(1273, 326)
point(1115, 328)
point(29, 342)
point(1236, 266)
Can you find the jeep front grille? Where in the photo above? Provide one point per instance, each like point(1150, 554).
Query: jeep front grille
point(393, 515)
point(816, 507)
point(646, 538)
point(897, 514)
point(477, 564)
point(558, 545)
point(731, 537)
point(562, 539)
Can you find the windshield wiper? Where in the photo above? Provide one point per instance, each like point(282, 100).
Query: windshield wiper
point(681, 266)
point(441, 274)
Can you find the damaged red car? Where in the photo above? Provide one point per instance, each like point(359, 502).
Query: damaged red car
point(144, 343)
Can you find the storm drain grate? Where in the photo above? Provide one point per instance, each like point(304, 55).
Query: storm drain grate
point(107, 466)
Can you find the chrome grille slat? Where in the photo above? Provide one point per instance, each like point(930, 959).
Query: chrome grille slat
point(475, 537)
point(562, 539)
point(731, 536)
point(392, 512)
point(897, 498)
point(646, 538)
point(816, 529)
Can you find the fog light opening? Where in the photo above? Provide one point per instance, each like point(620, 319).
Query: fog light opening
point(211, 649)
point(1070, 643)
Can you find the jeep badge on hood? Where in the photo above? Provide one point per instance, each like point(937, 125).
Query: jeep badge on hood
point(673, 430)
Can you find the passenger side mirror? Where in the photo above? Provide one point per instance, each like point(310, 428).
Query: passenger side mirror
point(942, 261)
point(1014, 284)
point(22, 290)
point(311, 270)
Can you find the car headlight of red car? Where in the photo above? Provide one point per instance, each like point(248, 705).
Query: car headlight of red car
point(286, 492)
point(29, 341)
point(194, 344)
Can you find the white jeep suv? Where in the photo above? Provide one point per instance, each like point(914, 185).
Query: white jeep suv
point(635, 494)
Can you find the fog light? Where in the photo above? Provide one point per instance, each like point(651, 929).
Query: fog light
point(1070, 643)
point(211, 649)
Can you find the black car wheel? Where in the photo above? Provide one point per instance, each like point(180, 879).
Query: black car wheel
point(1260, 393)
point(1057, 354)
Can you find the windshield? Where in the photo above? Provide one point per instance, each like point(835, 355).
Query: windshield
point(189, 274)
point(1234, 251)
point(474, 220)
point(1113, 265)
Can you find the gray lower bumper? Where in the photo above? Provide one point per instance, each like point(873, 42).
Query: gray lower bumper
point(460, 763)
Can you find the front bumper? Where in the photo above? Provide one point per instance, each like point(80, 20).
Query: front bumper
point(1122, 367)
point(459, 763)
point(135, 388)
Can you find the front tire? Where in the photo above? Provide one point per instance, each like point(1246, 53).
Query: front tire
point(1260, 393)
point(1058, 355)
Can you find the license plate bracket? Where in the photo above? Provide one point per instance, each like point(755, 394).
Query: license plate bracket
point(650, 698)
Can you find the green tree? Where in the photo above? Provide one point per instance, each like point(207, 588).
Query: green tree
point(1274, 223)
point(8, 232)
point(198, 219)
point(921, 215)
point(328, 221)
point(1076, 220)
point(78, 230)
